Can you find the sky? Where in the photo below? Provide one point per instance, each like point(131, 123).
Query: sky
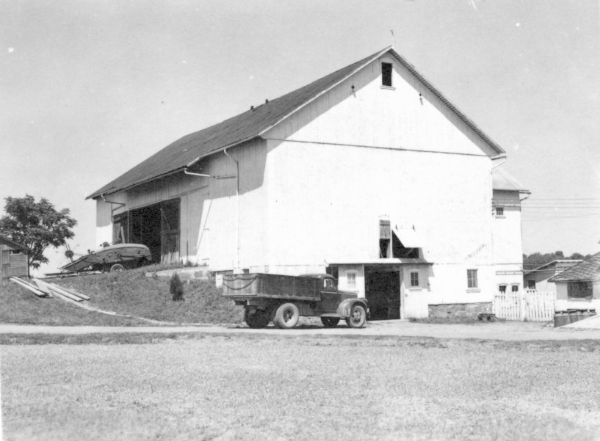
point(91, 88)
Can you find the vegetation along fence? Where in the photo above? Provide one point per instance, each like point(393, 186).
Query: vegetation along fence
point(530, 305)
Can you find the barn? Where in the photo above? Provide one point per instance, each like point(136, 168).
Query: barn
point(368, 173)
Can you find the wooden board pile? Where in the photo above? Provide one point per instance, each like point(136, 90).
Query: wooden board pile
point(45, 289)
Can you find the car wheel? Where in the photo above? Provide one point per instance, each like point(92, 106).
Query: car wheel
point(330, 322)
point(257, 319)
point(287, 316)
point(117, 268)
point(358, 317)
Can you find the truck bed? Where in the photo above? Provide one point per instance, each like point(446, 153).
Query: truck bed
point(274, 286)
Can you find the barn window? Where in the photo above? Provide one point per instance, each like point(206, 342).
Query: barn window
point(351, 279)
point(515, 288)
point(414, 278)
point(502, 289)
point(499, 211)
point(472, 278)
point(580, 290)
point(386, 74)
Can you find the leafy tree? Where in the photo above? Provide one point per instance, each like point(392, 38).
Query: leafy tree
point(36, 225)
point(537, 259)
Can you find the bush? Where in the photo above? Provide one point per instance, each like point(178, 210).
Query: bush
point(176, 287)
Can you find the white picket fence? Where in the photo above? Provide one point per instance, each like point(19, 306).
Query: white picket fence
point(530, 305)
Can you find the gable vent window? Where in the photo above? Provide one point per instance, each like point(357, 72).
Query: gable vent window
point(386, 74)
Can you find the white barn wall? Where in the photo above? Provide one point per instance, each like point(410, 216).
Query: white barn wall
point(208, 206)
point(329, 199)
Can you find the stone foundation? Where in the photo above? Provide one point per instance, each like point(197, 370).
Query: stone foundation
point(459, 309)
point(193, 273)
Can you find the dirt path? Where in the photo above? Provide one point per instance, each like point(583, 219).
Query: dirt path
point(509, 331)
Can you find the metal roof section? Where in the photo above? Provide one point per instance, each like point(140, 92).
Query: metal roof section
point(586, 271)
point(246, 126)
point(14, 245)
point(503, 181)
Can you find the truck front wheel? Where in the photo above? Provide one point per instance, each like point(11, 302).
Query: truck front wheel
point(287, 316)
point(358, 317)
point(257, 319)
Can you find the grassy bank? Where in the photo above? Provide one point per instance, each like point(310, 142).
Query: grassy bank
point(128, 293)
point(302, 389)
point(131, 292)
point(20, 306)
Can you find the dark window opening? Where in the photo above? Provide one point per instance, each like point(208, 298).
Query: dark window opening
point(515, 288)
point(580, 290)
point(386, 74)
point(385, 234)
point(499, 211)
point(472, 278)
point(400, 251)
point(502, 288)
point(333, 271)
point(531, 284)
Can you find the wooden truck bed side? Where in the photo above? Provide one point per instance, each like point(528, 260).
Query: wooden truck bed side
point(273, 286)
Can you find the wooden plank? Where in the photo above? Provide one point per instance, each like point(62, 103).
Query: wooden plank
point(72, 291)
point(57, 289)
point(26, 285)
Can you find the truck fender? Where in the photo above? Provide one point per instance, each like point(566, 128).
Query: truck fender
point(345, 307)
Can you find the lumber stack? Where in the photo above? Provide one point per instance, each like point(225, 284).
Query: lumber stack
point(30, 287)
point(44, 289)
point(61, 292)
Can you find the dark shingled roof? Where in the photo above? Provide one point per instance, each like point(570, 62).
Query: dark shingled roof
point(588, 270)
point(14, 245)
point(186, 151)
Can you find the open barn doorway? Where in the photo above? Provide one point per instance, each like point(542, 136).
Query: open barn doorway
point(382, 290)
point(157, 226)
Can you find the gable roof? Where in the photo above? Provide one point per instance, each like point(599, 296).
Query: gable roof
point(14, 245)
point(586, 271)
point(502, 180)
point(190, 149)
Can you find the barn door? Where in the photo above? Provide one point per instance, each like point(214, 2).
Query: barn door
point(169, 231)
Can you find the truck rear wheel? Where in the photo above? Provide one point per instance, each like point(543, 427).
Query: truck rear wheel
point(287, 316)
point(257, 319)
point(358, 317)
point(330, 322)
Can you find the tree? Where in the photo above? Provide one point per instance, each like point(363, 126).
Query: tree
point(36, 225)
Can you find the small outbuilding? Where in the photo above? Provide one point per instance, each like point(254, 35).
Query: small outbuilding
point(579, 286)
point(13, 259)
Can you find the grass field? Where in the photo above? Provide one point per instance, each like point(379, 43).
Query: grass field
point(281, 388)
point(129, 292)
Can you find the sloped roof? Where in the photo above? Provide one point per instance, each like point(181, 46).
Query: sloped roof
point(14, 245)
point(248, 125)
point(539, 268)
point(587, 270)
point(502, 180)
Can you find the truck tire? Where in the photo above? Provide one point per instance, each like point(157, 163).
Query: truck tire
point(330, 322)
point(358, 317)
point(257, 320)
point(287, 316)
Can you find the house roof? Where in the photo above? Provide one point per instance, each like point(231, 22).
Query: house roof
point(586, 271)
point(554, 262)
point(502, 180)
point(14, 245)
point(248, 125)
